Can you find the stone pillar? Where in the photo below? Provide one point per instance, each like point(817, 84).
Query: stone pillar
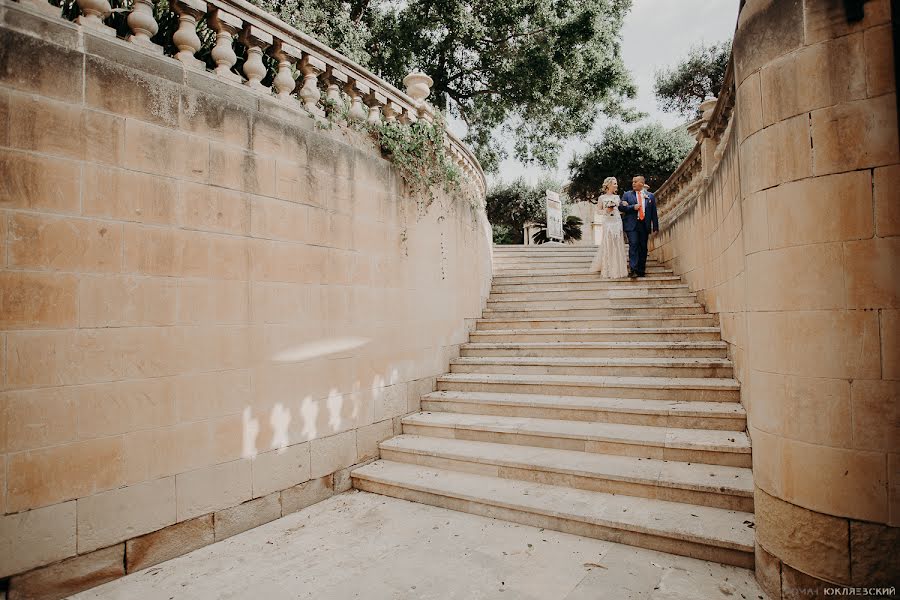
point(819, 165)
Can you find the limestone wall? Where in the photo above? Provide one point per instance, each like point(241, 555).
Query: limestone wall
point(206, 299)
point(793, 240)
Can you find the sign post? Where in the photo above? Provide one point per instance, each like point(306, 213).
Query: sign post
point(554, 217)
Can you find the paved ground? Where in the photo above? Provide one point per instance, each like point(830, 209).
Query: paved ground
point(360, 545)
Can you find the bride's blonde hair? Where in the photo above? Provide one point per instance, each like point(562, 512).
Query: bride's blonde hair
point(605, 187)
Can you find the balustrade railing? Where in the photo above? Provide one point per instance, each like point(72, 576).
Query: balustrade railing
point(305, 67)
point(712, 132)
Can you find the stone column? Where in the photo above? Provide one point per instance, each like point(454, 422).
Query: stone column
point(185, 37)
point(817, 148)
point(226, 27)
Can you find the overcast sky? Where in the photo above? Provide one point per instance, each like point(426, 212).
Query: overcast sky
point(673, 26)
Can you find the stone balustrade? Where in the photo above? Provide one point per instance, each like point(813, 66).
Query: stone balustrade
point(309, 73)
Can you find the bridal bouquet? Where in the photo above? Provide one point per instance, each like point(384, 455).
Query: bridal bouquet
point(609, 204)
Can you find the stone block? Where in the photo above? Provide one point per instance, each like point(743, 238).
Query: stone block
point(796, 585)
point(342, 480)
point(879, 50)
point(45, 126)
point(795, 278)
point(306, 494)
point(836, 481)
point(847, 343)
point(162, 151)
point(887, 208)
point(814, 542)
point(820, 209)
point(828, 20)
point(776, 155)
point(273, 136)
point(119, 301)
point(64, 357)
point(278, 220)
point(129, 196)
point(166, 544)
point(36, 538)
point(124, 513)
point(814, 77)
point(855, 135)
point(208, 395)
point(38, 418)
point(39, 183)
point(216, 209)
point(873, 563)
point(766, 30)
point(131, 92)
point(64, 244)
point(216, 109)
point(37, 478)
point(894, 489)
point(51, 70)
point(390, 401)
point(755, 219)
point(120, 407)
point(871, 273)
point(248, 515)
point(280, 469)
point(875, 415)
point(890, 344)
point(38, 300)
point(70, 576)
point(291, 180)
point(212, 488)
point(368, 438)
point(768, 572)
point(207, 302)
point(238, 169)
point(332, 453)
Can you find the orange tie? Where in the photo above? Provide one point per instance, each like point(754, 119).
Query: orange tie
point(640, 206)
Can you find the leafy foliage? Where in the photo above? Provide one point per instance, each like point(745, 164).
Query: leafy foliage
point(571, 231)
point(650, 150)
point(683, 87)
point(543, 69)
point(510, 206)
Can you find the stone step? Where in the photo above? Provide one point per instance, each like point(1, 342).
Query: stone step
point(549, 258)
point(558, 264)
point(711, 349)
point(726, 416)
point(616, 321)
point(565, 295)
point(702, 532)
point(706, 446)
point(576, 277)
point(627, 367)
point(531, 270)
point(562, 311)
point(603, 285)
point(606, 334)
point(521, 303)
point(730, 488)
point(693, 389)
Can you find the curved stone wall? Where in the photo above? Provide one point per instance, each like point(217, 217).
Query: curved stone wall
point(791, 235)
point(212, 307)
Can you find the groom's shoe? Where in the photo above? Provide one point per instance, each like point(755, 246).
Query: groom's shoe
point(632, 274)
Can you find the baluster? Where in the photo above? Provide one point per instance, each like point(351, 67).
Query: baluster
point(356, 89)
point(185, 38)
point(256, 40)
point(375, 102)
point(408, 116)
point(311, 67)
point(226, 27)
point(334, 79)
point(93, 12)
point(391, 110)
point(286, 55)
point(143, 25)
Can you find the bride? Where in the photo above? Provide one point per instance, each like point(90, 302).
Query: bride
point(610, 260)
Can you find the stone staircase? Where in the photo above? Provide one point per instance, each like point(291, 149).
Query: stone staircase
point(601, 408)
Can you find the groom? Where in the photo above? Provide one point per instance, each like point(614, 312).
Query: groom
point(639, 220)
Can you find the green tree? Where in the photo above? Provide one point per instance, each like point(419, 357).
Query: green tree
point(510, 205)
point(541, 70)
point(683, 87)
point(650, 150)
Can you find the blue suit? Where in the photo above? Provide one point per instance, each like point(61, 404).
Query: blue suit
point(637, 231)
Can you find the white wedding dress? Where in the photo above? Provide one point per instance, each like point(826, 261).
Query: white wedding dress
point(610, 260)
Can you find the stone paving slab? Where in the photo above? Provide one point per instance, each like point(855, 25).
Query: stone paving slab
point(360, 545)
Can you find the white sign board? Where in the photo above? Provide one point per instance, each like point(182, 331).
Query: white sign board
point(554, 217)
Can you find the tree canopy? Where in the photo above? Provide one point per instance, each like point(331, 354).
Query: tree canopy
point(540, 69)
point(683, 87)
point(510, 205)
point(649, 150)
